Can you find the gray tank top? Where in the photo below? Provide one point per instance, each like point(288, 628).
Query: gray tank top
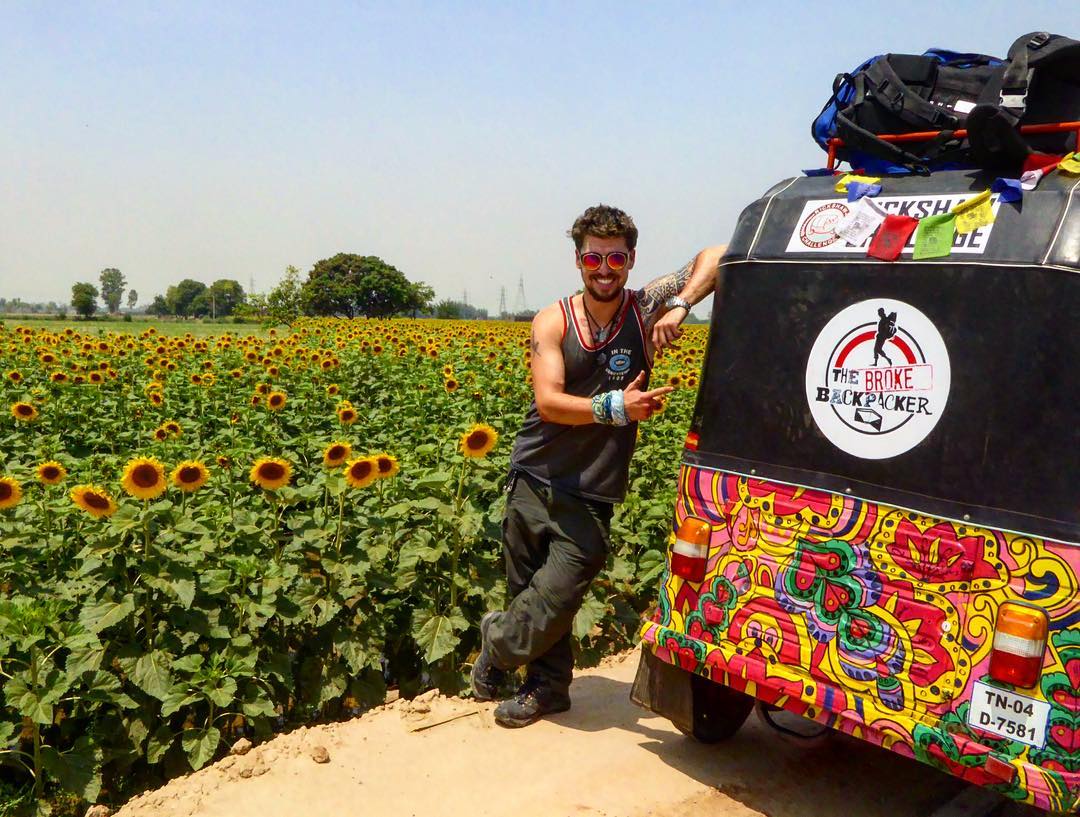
point(591, 461)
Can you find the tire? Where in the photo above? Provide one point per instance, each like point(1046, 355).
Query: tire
point(718, 710)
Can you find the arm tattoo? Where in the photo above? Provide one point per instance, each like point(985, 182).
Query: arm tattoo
point(534, 344)
point(651, 297)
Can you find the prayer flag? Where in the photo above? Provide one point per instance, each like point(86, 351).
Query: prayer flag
point(1008, 190)
point(860, 224)
point(892, 236)
point(934, 238)
point(841, 186)
point(856, 190)
point(1040, 161)
point(972, 214)
point(1070, 164)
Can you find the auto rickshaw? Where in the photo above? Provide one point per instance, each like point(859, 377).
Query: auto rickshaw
point(877, 523)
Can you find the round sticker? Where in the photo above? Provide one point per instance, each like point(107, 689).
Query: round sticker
point(877, 379)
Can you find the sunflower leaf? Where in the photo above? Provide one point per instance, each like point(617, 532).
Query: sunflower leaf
point(434, 634)
point(97, 615)
point(152, 675)
point(200, 745)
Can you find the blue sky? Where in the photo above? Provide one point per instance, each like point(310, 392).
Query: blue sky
point(457, 141)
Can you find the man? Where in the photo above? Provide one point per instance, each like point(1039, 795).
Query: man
point(591, 355)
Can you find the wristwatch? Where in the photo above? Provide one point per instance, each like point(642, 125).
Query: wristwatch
point(675, 301)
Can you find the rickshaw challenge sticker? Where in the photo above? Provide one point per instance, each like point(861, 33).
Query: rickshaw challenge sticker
point(877, 379)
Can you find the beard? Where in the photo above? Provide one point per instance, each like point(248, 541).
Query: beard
point(601, 297)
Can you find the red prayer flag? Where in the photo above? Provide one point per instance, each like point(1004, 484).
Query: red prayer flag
point(1036, 161)
point(892, 236)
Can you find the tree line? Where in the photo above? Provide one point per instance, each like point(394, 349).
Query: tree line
point(346, 285)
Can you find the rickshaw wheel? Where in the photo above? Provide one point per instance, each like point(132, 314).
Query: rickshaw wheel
point(718, 710)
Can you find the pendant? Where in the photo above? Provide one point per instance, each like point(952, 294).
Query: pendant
point(601, 359)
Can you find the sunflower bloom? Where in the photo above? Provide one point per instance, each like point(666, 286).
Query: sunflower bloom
point(189, 476)
point(360, 473)
point(275, 401)
point(144, 478)
point(386, 465)
point(51, 473)
point(173, 428)
point(94, 500)
point(347, 415)
point(336, 454)
point(478, 440)
point(10, 492)
point(271, 473)
point(451, 385)
point(24, 412)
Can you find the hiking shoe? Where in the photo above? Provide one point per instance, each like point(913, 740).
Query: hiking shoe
point(534, 699)
point(486, 677)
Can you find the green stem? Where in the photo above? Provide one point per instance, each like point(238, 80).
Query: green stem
point(39, 776)
point(148, 609)
point(460, 539)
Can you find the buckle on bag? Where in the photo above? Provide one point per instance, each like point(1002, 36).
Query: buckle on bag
point(1014, 100)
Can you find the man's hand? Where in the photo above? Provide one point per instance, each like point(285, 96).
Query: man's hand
point(668, 328)
point(639, 404)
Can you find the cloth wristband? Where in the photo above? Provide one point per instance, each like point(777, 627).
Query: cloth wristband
point(601, 408)
point(618, 408)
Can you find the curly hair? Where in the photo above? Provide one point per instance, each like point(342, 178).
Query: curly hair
point(603, 221)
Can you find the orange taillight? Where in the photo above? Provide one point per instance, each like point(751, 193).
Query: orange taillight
point(690, 552)
point(1019, 644)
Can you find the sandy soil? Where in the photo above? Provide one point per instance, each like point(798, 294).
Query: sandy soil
point(440, 757)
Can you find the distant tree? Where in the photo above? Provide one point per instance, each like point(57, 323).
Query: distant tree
point(112, 288)
point(459, 309)
point(84, 299)
point(351, 285)
point(223, 296)
point(160, 307)
point(181, 297)
point(448, 309)
point(133, 298)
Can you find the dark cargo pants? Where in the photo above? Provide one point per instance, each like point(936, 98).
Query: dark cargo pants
point(554, 543)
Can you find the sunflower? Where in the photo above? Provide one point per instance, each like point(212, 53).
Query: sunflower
point(58, 377)
point(51, 473)
point(10, 492)
point(478, 440)
point(332, 390)
point(160, 434)
point(94, 500)
point(275, 401)
point(347, 415)
point(675, 380)
point(144, 478)
point(172, 427)
point(386, 465)
point(223, 461)
point(23, 411)
point(190, 476)
point(271, 473)
point(360, 473)
point(335, 454)
point(15, 376)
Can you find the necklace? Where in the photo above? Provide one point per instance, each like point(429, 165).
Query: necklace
point(600, 333)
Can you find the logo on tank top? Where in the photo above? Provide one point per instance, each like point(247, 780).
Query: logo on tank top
point(619, 363)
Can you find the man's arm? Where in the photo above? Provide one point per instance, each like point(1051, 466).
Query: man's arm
point(549, 372)
point(691, 283)
point(549, 379)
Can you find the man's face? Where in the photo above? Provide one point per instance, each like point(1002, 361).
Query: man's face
point(604, 284)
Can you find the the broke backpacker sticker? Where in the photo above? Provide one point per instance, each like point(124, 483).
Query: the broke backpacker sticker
point(877, 378)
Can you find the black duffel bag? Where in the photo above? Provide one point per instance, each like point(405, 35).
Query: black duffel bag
point(946, 91)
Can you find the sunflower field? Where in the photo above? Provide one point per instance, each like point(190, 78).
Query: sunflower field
point(203, 538)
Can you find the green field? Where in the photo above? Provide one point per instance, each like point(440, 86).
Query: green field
point(136, 325)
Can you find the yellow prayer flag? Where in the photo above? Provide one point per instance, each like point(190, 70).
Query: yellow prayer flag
point(974, 213)
point(1071, 164)
point(841, 186)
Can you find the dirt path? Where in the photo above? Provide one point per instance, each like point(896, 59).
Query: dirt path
point(445, 757)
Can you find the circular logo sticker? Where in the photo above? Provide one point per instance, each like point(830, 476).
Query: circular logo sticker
point(819, 228)
point(877, 379)
point(619, 363)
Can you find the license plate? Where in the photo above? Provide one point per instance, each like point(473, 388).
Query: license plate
point(1008, 715)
